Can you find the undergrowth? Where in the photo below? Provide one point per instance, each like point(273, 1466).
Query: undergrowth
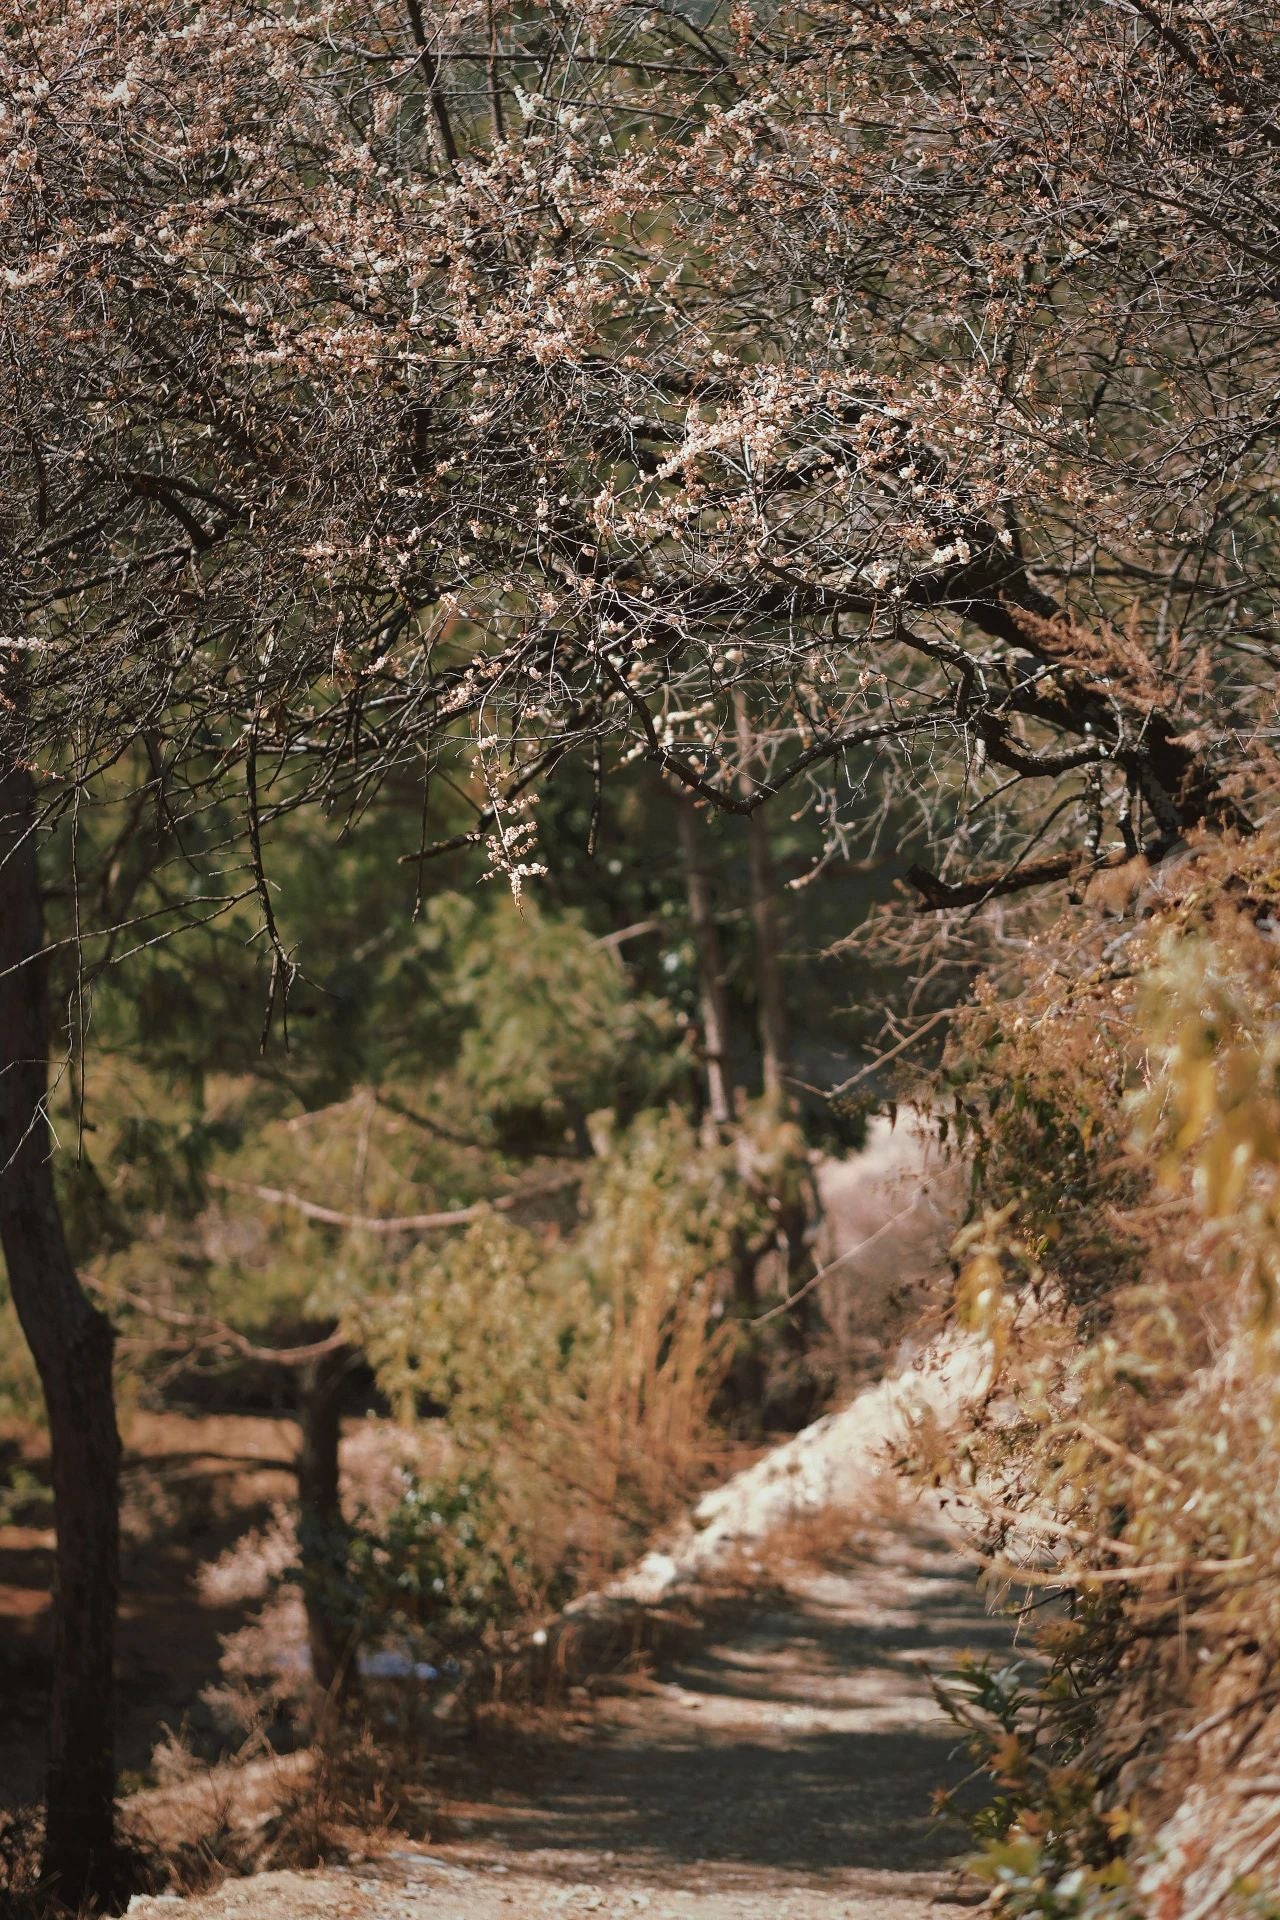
point(1122, 1112)
point(581, 1371)
point(580, 1367)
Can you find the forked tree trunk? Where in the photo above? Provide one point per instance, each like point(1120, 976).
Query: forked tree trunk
point(322, 1537)
point(706, 945)
point(72, 1346)
point(771, 1000)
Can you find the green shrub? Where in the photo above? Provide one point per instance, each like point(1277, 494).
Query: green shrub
point(579, 1371)
point(442, 1568)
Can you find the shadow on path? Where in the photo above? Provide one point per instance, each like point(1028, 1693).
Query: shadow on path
point(802, 1740)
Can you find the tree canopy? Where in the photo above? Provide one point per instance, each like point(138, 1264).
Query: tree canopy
point(384, 388)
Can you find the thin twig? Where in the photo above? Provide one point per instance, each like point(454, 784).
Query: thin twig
point(849, 1253)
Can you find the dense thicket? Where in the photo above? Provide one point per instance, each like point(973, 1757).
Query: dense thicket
point(1120, 1101)
point(375, 373)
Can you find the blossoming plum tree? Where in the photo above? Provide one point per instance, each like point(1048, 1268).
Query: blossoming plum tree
point(394, 393)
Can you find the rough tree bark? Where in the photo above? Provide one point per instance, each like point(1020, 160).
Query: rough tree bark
point(321, 1528)
point(706, 943)
point(72, 1346)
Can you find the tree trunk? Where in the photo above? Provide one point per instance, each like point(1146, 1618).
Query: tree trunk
point(322, 1537)
point(706, 943)
point(72, 1346)
point(770, 994)
point(747, 1382)
point(803, 1324)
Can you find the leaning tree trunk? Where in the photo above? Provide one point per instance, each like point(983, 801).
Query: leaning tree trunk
point(322, 1536)
point(706, 945)
point(72, 1345)
point(770, 993)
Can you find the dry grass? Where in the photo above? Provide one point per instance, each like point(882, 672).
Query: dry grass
point(624, 1455)
point(646, 1418)
point(1125, 1116)
point(341, 1798)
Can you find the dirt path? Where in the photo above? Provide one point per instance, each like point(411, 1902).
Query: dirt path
point(784, 1765)
point(781, 1768)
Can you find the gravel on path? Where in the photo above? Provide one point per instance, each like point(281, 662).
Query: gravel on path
point(781, 1767)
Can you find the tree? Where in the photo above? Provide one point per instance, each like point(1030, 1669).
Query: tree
point(390, 400)
point(71, 1342)
point(846, 356)
point(321, 1527)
